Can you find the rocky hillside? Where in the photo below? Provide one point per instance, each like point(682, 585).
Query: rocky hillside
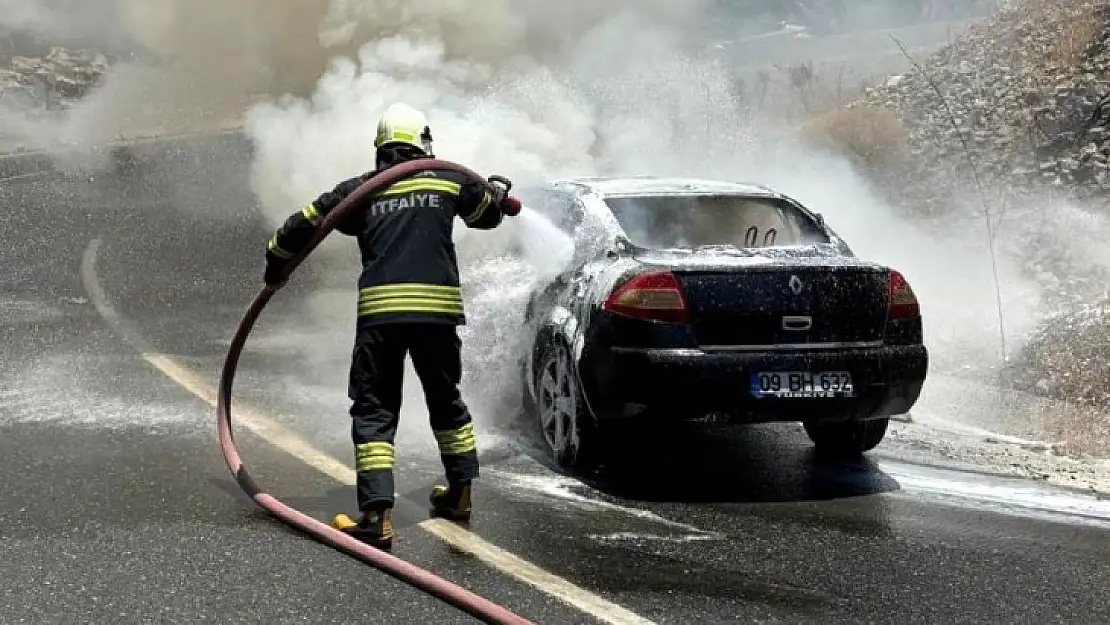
point(1027, 94)
point(1028, 91)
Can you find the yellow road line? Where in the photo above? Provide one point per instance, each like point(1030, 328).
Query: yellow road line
point(291, 443)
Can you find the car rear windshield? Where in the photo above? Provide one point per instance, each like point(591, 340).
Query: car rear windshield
point(701, 220)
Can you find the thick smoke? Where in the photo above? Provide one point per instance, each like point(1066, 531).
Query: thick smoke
point(509, 95)
point(182, 64)
point(624, 90)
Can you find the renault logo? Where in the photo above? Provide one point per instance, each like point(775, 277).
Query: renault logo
point(795, 285)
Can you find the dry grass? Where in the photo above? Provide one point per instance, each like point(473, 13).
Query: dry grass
point(873, 135)
point(1080, 26)
point(800, 90)
point(1077, 24)
point(1074, 428)
point(1079, 431)
point(825, 102)
point(1067, 362)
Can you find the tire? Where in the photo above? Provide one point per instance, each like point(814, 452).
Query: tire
point(567, 429)
point(846, 438)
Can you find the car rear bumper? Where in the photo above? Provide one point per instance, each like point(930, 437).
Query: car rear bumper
point(690, 383)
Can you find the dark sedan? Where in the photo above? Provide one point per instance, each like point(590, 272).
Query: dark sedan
point(694, 300)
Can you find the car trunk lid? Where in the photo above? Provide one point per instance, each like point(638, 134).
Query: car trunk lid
point(760, 301)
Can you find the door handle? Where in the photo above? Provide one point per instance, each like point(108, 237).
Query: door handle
point(797, 323)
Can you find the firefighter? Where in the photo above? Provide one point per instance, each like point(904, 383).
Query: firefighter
point(409, 303)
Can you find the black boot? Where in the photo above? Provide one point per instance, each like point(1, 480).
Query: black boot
point(451, 502)
point(374, 528)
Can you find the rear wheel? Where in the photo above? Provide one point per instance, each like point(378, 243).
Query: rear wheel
point(568, 429)
point(846, 438)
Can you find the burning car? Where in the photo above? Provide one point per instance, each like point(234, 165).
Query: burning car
point(686, 300)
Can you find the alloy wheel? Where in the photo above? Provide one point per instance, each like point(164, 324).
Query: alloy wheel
point(558, 404)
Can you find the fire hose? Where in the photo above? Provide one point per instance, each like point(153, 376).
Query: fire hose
point(465, 600)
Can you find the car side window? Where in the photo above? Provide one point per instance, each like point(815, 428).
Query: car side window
point(589, 239)
point(560, 208)
point(807, 230)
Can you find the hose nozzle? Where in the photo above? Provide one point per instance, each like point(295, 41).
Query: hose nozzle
point(511, 206)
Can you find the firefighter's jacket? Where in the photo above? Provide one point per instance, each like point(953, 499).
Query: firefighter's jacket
point(409, 268)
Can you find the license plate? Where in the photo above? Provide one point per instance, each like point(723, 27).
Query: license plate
point(802, 384)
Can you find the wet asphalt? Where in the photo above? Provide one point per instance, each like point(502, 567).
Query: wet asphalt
point(116, 505)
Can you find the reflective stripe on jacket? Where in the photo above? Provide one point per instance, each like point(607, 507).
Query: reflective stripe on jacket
point(404, 232)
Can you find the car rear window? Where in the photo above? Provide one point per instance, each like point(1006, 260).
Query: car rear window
point(700, 220)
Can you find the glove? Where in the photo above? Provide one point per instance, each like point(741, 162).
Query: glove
point(272, 276)
point(507, 204)
point(498, 192)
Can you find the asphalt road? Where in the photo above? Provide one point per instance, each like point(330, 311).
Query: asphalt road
point(116, 505)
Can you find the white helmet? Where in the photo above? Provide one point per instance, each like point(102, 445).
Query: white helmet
point(403, 124)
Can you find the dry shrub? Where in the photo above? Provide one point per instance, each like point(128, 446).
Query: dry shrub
point(1080, 430)
point(1076, 23)
point(1080, 26)
point(1068, 358)
point(873, 135)
point(1065, 366)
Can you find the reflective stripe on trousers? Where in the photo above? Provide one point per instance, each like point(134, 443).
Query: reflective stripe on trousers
point(456, 442)
point(373, 456)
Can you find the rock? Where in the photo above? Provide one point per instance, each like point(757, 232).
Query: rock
point(55, 79)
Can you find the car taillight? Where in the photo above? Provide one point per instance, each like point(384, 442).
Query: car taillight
point(655, 295)
point(903, 302)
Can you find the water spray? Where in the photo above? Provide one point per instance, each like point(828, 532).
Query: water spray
point(479, 607)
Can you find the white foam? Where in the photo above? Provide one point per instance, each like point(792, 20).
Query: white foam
point(554, 487)
point(31, 395)
point(1013, 496)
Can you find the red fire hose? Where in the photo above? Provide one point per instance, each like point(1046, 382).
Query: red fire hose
point(476, 606)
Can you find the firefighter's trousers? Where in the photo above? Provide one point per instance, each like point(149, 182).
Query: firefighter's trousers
point(377, 372)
